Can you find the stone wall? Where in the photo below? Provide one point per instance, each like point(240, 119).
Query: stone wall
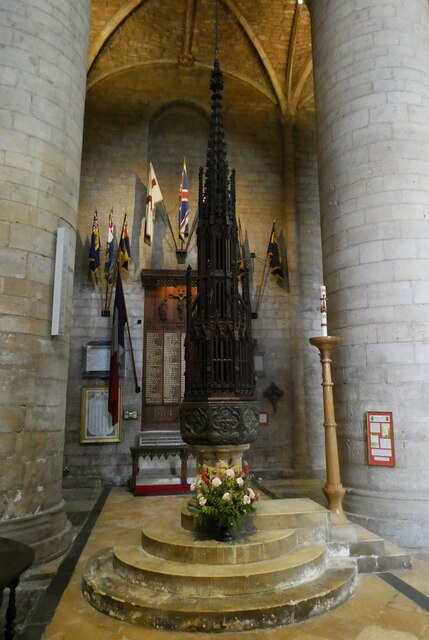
point(117, 150)
point(42, 87)
point(371, 93)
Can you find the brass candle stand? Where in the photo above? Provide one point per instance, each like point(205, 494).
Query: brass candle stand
point(333, 489)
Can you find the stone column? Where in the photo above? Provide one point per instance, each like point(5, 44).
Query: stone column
point(372, 88)
point(42, 92)
point(301, 463)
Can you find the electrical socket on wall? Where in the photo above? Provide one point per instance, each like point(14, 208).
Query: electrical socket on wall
point(130, 415)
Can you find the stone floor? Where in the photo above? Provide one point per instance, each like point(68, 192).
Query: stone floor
point(389, 606)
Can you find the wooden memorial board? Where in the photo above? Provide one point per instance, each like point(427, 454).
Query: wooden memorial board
point(164, 349)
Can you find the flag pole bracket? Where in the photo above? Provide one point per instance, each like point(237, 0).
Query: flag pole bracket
point(181, 256)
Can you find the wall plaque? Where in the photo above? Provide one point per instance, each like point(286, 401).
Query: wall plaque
point(381, 449)
point(153, 369)
point(96, 422)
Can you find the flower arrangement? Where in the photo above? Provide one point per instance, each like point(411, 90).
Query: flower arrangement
point(223, 496)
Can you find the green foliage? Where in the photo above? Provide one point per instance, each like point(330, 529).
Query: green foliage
point(223, 496)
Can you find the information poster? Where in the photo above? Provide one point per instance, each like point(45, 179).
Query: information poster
point(381, 450)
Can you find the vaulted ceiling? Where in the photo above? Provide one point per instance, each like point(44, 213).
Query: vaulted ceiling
point(145, 52)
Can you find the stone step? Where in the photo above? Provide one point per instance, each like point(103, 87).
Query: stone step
point(392, 558)
point(371, 553)
point(306, 516)
point(354, 540)
point(295, 488)
point(111, 594)
point(135, 565)
point(310, 519)
point(163, 537)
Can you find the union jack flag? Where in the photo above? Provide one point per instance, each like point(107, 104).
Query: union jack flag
point(184, 206)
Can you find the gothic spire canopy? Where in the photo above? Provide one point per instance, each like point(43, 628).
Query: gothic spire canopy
point(218, 406)
point(216, 200)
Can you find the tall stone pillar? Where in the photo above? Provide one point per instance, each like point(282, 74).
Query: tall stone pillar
point(371, 87)
point(42, 92)
point(300, 440)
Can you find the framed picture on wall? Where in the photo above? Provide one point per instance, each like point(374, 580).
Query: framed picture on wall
point(95, 420)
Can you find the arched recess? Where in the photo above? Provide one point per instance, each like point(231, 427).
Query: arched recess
point(177, 130)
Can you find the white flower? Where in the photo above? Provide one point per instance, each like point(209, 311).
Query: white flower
point(216, 482)
point(240, 482)
point(251, 493)
point(230, 473)
point(226, 496)
point(193, 486)
point(246, 499)
point(202, 501)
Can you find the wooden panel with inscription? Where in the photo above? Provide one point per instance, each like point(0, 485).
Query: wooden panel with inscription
point(164, 356)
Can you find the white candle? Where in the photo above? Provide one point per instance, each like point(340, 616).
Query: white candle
point(323, 311)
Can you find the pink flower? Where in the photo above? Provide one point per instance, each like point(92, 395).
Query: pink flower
point(216, 482)
point(251, 493)
point(246, 500)
point(240, 482)
point(226, 496)
point(230, 473)
point(202, 501)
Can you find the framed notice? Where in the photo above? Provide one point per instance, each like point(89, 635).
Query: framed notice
point(381, 450)
point(96, 422)
point(96, 359)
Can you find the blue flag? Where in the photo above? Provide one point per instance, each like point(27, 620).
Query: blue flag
point(108, 258)
point(94, 250)
point(273, 252)
point(124, 245)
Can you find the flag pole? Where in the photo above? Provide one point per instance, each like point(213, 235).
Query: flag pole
point(108, 304)
point(240, 245)
point(105, 311)
point(170, 227)
point(194, 224)
point(131, 343)
point(132, 358)
point(111, 289)
point(118, 274)
point(262, 288)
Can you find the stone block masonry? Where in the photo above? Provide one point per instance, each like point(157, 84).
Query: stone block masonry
point(42, 89)
point(371, 86)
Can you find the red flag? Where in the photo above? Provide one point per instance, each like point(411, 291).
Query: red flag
point(117, 349)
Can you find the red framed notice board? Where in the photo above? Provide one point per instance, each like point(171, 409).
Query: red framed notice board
point(381, 449)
